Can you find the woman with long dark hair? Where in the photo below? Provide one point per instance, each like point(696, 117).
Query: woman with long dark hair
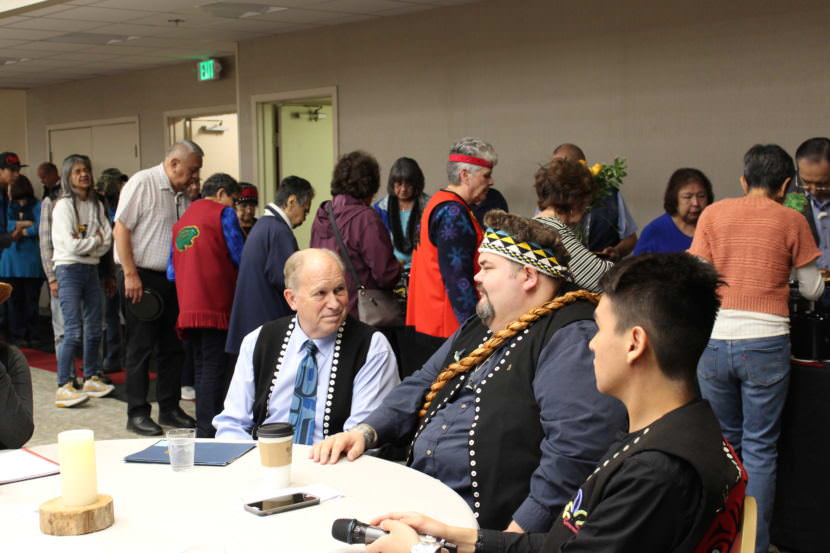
point(81, 235)
point(401, 208)
point(20, 265)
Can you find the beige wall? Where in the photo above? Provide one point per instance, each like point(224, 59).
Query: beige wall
point(146, 94)
point(13, 128)
point(663, 84)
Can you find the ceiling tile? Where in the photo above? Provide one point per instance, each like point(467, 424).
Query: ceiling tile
point(131, 29)
point(8, 43)
point(23, 52)
point(54, 46)
point(404, 9)
point(46, 11)
point(94, 13)
point(315, 17)
point(153, 5)
point(52, 24)
point(11, 20)
point(358, 6)
point(163, 19)
point(124, 49)
point(26, 34)
point(82, 56)
point(268, 27)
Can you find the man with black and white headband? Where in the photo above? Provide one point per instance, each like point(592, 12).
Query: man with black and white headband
point(506, 412)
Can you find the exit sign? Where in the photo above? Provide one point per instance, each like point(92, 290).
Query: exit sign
point(208, 70)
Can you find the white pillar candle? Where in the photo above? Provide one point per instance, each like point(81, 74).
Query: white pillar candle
point(76, 453)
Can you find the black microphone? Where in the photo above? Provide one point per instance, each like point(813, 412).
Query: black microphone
point(352, 531)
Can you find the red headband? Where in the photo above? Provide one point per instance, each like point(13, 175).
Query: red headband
point(460, 158)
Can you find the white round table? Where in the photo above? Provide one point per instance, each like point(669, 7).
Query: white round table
point(161, 511)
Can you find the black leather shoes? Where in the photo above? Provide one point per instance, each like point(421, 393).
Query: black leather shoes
point(143, 425)
point(177, 418)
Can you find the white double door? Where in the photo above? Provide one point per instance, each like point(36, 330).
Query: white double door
point(107, 145)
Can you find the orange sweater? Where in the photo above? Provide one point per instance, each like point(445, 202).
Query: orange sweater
point(754, 242)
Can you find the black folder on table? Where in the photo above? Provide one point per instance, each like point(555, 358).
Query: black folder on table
point(211, 454)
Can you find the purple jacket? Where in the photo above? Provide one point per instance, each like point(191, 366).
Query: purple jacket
point(367, 241)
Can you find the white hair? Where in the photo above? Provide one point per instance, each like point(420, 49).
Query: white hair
point(474, 147)
point(184, 147)
point(295, 262)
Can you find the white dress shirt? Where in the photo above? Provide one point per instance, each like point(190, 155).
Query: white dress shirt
point(372, 382)
point(147, 207)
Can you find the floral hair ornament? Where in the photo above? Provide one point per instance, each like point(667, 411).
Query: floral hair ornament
point(461, 158)
point(542, 259)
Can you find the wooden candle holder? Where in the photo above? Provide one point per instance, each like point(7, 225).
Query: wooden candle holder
point(57, 519)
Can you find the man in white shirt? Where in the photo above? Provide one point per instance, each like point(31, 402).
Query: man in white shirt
point(320, 369)
point(147, 210)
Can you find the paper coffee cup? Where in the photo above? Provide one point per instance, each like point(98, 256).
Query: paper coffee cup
point(274, 441)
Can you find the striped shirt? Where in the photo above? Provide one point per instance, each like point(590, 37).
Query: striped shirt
point(586, 267)
point(45, 235)
point(148, 208)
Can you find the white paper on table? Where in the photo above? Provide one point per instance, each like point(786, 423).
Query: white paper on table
point(23, 464)
point(318, 490)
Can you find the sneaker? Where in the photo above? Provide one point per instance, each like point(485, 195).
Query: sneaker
point(69, 396)
point(95, 387)
point(188, 393)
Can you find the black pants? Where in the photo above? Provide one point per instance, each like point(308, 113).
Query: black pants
point(188, 368)
point(22, 313)
point(210, 367)
point(157, 340)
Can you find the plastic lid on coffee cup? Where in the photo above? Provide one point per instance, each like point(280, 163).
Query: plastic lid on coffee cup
point(275, 430)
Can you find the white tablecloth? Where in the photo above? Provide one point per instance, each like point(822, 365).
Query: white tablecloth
point(161, 511)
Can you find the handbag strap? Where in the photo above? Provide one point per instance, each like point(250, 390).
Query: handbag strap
point(343, 251)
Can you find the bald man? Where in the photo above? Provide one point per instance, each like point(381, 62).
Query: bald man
point(320, 369)
point(147, 210)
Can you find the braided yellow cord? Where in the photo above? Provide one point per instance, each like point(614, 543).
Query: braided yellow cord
point(479, 355)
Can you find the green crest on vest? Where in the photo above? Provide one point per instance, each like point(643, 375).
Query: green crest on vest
point(186, 237)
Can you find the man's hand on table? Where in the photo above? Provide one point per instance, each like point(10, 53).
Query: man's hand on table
point(328, 452)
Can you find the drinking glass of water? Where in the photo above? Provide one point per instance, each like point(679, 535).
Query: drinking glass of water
point(181, 443)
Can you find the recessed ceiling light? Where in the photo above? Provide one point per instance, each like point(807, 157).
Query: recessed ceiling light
point(12, 61)
point(238, 10)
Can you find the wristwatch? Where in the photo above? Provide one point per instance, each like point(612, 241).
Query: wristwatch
point(428, 544)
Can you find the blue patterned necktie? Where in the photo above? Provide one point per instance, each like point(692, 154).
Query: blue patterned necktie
point(304, 402)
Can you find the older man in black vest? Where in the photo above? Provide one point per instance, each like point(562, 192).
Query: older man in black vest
point(506, 412)
point(319, 369)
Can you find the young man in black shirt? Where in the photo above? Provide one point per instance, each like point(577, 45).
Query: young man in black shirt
point(672, 484)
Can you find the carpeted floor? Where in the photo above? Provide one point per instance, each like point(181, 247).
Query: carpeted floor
point(107, 417)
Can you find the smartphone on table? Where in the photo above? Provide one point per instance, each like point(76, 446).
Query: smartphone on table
point(281, 504)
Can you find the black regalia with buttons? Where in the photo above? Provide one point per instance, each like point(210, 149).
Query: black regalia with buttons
point(350, 349)
point(505, 437)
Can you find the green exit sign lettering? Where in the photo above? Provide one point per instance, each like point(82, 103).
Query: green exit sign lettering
point(208, 70)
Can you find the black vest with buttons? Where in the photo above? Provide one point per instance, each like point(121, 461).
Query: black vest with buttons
point(352, 343)
point(691, 433)
point(505, 438)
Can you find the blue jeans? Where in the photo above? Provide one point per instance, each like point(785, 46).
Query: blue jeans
point(79, 292)
point(57, 323)
point(746, 381)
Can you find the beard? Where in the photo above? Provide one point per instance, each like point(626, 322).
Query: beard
point(484, 310)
